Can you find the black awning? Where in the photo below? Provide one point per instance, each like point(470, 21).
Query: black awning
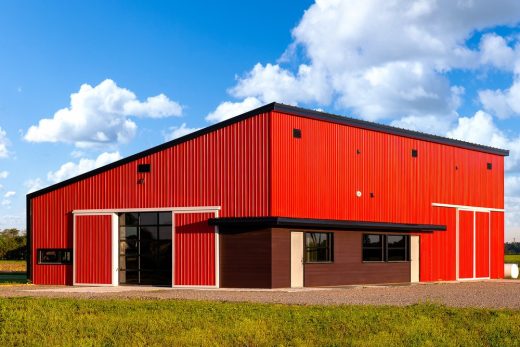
point(303, 223)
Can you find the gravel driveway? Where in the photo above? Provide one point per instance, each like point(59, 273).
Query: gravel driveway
point(490, 294)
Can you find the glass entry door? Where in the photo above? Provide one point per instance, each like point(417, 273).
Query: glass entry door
point(145, 248)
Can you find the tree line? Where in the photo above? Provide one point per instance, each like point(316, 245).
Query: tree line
point(512, 248)
point(13, 244)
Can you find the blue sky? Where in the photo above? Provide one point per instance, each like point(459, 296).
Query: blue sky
point(446, 67)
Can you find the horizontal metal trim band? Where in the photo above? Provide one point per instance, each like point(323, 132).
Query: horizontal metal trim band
point(323, 224)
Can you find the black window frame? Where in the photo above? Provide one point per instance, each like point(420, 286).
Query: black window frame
point(385, 248)
point(329, 248)
point(63, 260)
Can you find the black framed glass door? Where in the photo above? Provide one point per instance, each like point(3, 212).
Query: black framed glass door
point(145, 248)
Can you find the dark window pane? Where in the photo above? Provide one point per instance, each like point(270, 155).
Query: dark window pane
point(165, 233)
point(165, 218)
point(372, 254)
point(131, 219)
point(148, 233)
point(372, 240)
point(318, 247)
point(131, 263)
point(396, 254)
point(395, 241)
point(129, 233)
point(148, 263)
point(55, 256)
point(131, 277)
point(148, 218)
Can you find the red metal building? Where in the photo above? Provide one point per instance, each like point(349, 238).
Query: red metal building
point(277, 197)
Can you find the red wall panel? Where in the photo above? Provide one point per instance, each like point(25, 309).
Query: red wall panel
point(466, 244)
point(318, 175)
point(482, 244)
point(93, 251)
point(194, 250)
point(497, 245)
point(227, 167)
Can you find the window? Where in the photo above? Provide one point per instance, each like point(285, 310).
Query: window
point(145, 248)
point(372, 247)
point(318, 247)
point(55, 256)
point(386, 248)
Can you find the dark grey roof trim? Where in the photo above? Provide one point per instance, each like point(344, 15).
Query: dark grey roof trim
point(286, 109)
point(386, 129)
point(329, 224)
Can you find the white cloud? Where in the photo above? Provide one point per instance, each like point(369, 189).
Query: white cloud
point(4, 143)
point(9, 194)
point(504, 103)
point(72, 169)
point(34, 184)
point(495, 51)
point(4, 174)
point(100, 115)
point(12, 221)
point(380, 60)
point(176, 132)
point(229, 109)
point(481, 129)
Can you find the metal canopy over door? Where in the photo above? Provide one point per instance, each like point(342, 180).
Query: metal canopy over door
point(195, 260)
point(93, 260)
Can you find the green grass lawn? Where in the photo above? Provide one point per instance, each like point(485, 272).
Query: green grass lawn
point(514, 258)
point(70, 322)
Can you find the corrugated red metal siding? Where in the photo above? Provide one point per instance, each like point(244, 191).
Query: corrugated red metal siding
point(227, 167)
point(93, 249)
point(497, 245)
point(482, 244)
point(318, 175)
point(194, 250)
point(466, 244)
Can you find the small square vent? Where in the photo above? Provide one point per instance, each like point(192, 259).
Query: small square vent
point(489, 166)
point(414, 153)
point(297, 133)
point(143, 168)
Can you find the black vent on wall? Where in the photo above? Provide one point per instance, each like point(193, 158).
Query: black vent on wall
point(414, 153)
point(297, 133)
point(142, 168)
point(489, 166)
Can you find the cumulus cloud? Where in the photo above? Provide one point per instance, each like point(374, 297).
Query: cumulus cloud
point(380, 60)
point(4, 143)
point(176, 132)
point(229, 109)
point(34, 184)
point(100, 115)
point(72, 169)
point(496, 52)
point(9, 194)
point(4, 174)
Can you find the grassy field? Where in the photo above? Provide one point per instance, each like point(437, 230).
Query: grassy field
point(12, 266)
point(69, 322)
point(515, 258)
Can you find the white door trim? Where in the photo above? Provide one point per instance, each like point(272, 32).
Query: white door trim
point(296, 254)
point(474, 210)
point(115, 249)
point(469, 208)
point(189, 209)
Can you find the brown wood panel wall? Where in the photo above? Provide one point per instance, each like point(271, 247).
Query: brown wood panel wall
point(348, 267)
point(245, 258)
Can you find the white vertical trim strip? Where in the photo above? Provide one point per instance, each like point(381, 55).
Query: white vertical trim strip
point(115, 250)
point(474, 244)
point(457, 245)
